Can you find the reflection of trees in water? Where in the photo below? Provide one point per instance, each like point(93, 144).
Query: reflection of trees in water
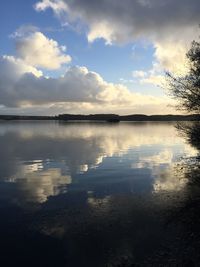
point(190, 167)
point(191, 131)
point(186, 217)
point(182, 219)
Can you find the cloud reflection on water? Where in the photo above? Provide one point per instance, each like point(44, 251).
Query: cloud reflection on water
point(47, 158)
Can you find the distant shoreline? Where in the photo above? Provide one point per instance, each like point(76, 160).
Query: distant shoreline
point(103, 117)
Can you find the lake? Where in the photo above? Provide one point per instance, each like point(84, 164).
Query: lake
point(94, 194)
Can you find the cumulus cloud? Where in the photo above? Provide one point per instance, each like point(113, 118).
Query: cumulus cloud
point(39, 51)
point(170, 25)
point(11, 70)
point(22, 85)
point(24, 88)
point(172, 56)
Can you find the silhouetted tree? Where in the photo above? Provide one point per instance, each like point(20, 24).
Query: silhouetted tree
point(186, 88)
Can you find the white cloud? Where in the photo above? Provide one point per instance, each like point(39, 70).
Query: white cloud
point(172, 56)
point(77, 90)
point(11, 71)
point(154, 76)
point(57, 5)
point(101, 30)
point(39, 51)
point(13, 68)
point(156, 79)
point(24, 88)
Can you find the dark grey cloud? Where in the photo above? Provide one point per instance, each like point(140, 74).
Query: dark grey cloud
point(130, 19)
point(139, 16)
point(170, 26)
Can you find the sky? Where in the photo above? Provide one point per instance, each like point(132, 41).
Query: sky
point(89, 56)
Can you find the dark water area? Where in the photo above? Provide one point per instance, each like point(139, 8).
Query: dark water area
point(98, 194)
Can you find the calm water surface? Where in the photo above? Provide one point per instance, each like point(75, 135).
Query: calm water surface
point(92, 194)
